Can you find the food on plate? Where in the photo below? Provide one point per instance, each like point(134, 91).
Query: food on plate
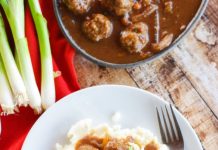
point(135, 37)
point(79, 6)
point(84, 136)
point(97, 27)
point(159, 16)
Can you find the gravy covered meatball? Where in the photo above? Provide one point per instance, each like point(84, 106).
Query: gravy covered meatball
point(120, 7)
point(121, 144)
point(135, 37)
point(97, 27)
point(79, 6)
point(153, 145)
point(87, 147)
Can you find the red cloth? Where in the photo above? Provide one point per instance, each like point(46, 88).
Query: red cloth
point(15, 127)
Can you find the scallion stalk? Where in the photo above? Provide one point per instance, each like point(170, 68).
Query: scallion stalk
point(14, 10)
point(47, 83)
point(6, 95)
point(13, 74)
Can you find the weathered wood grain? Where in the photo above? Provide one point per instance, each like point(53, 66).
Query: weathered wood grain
point(192, 57)
point(90, 74)
point(187, 77)
point(211, 11)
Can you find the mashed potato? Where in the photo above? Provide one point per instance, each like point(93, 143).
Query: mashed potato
point(83, 136)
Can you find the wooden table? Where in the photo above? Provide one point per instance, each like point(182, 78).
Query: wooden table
point(187, 77)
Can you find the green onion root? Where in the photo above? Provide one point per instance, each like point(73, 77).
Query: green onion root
point(14, 77)
point(14, 10)
point(6, 96)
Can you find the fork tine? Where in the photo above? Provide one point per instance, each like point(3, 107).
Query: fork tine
point(171, 124)
point(161, 127)
point(176, 124)
point(166, 127)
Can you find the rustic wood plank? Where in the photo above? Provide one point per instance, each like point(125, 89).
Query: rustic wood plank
point(211, 11)
point(146, 78)
point(90, 74)
point(199, 67)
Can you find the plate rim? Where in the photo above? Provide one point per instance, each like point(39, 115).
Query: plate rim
point(158, 98)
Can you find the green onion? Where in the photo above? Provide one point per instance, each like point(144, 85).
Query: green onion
point(14, 77)
point(130, 148)
point(14, 10)
point(47, 83)
point(6, 96)
point(16, 59)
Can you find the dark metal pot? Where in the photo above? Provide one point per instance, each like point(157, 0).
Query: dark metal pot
point(114, 65)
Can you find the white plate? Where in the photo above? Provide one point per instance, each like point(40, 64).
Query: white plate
point(99, 103)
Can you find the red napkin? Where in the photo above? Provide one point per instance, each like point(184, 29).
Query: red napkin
point(15, 127)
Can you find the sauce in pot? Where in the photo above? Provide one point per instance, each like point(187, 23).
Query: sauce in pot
point(174, 16)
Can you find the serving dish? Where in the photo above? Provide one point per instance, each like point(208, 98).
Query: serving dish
point(192, 23)
point(136, 106)
point(115, 65)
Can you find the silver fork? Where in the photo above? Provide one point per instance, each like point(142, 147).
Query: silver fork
point(170, 132)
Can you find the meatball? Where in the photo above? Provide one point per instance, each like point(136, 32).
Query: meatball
point(153, 145)
point(97, 27)
point(120, 7)
point(87, 147)
point(135, 37)
point(123, 6)
point(79, 6)
point(119, 144)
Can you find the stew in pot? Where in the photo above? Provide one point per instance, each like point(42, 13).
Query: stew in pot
point(126, 31)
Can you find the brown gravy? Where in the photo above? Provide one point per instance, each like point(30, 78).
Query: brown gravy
point(92, 141)
point(109, 49)
point(95, 143)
